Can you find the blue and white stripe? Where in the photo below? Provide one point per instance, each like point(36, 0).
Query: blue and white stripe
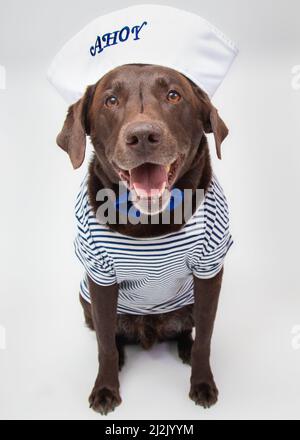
point(155, 275)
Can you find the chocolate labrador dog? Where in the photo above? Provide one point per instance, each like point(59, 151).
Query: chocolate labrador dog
point(147, 125)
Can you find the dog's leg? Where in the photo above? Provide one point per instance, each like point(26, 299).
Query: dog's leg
point(184, 346)
point(87, 312)
point(105, 395)
point(121, 342)
point(206, 292)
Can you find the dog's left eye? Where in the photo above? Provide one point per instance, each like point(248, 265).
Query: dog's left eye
point(173, 96)
point(112, 101)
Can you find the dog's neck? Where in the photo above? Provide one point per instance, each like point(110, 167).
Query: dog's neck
point(197, 177)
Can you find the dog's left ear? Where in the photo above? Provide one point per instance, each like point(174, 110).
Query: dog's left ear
point(72, 138)
point(212, 123)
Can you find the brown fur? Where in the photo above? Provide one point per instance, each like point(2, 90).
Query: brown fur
point(141, 90)
point(148, 329)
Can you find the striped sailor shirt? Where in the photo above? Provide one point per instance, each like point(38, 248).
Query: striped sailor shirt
point(155, 275)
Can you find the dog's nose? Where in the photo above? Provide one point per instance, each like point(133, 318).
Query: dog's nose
point(143, 134)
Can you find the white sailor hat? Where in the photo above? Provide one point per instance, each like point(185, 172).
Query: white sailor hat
point(147, 34)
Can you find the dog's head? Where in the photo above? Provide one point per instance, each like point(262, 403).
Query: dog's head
point(146, 123)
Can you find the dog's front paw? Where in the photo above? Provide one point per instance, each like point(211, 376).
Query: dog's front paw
point(204, 394)
point(103, 400)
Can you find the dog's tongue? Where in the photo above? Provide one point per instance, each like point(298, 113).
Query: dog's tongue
point(149, 179)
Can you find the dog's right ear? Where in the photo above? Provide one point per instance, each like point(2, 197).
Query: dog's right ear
point(72, 138)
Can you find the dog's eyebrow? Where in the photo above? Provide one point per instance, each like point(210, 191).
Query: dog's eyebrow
point(162, 82)
point(117, 85)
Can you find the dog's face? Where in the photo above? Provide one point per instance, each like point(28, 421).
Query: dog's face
point(145, 123)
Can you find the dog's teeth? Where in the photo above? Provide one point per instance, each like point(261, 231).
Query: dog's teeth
point(167, 168)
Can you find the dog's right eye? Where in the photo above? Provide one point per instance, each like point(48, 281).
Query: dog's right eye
point(173, 96)
point(111, 101)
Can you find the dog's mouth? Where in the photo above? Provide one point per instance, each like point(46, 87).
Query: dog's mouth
point(151, 180)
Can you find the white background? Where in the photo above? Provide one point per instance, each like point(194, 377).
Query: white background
point(49, 364)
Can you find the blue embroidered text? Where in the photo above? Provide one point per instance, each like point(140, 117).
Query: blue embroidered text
point(116, 37)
